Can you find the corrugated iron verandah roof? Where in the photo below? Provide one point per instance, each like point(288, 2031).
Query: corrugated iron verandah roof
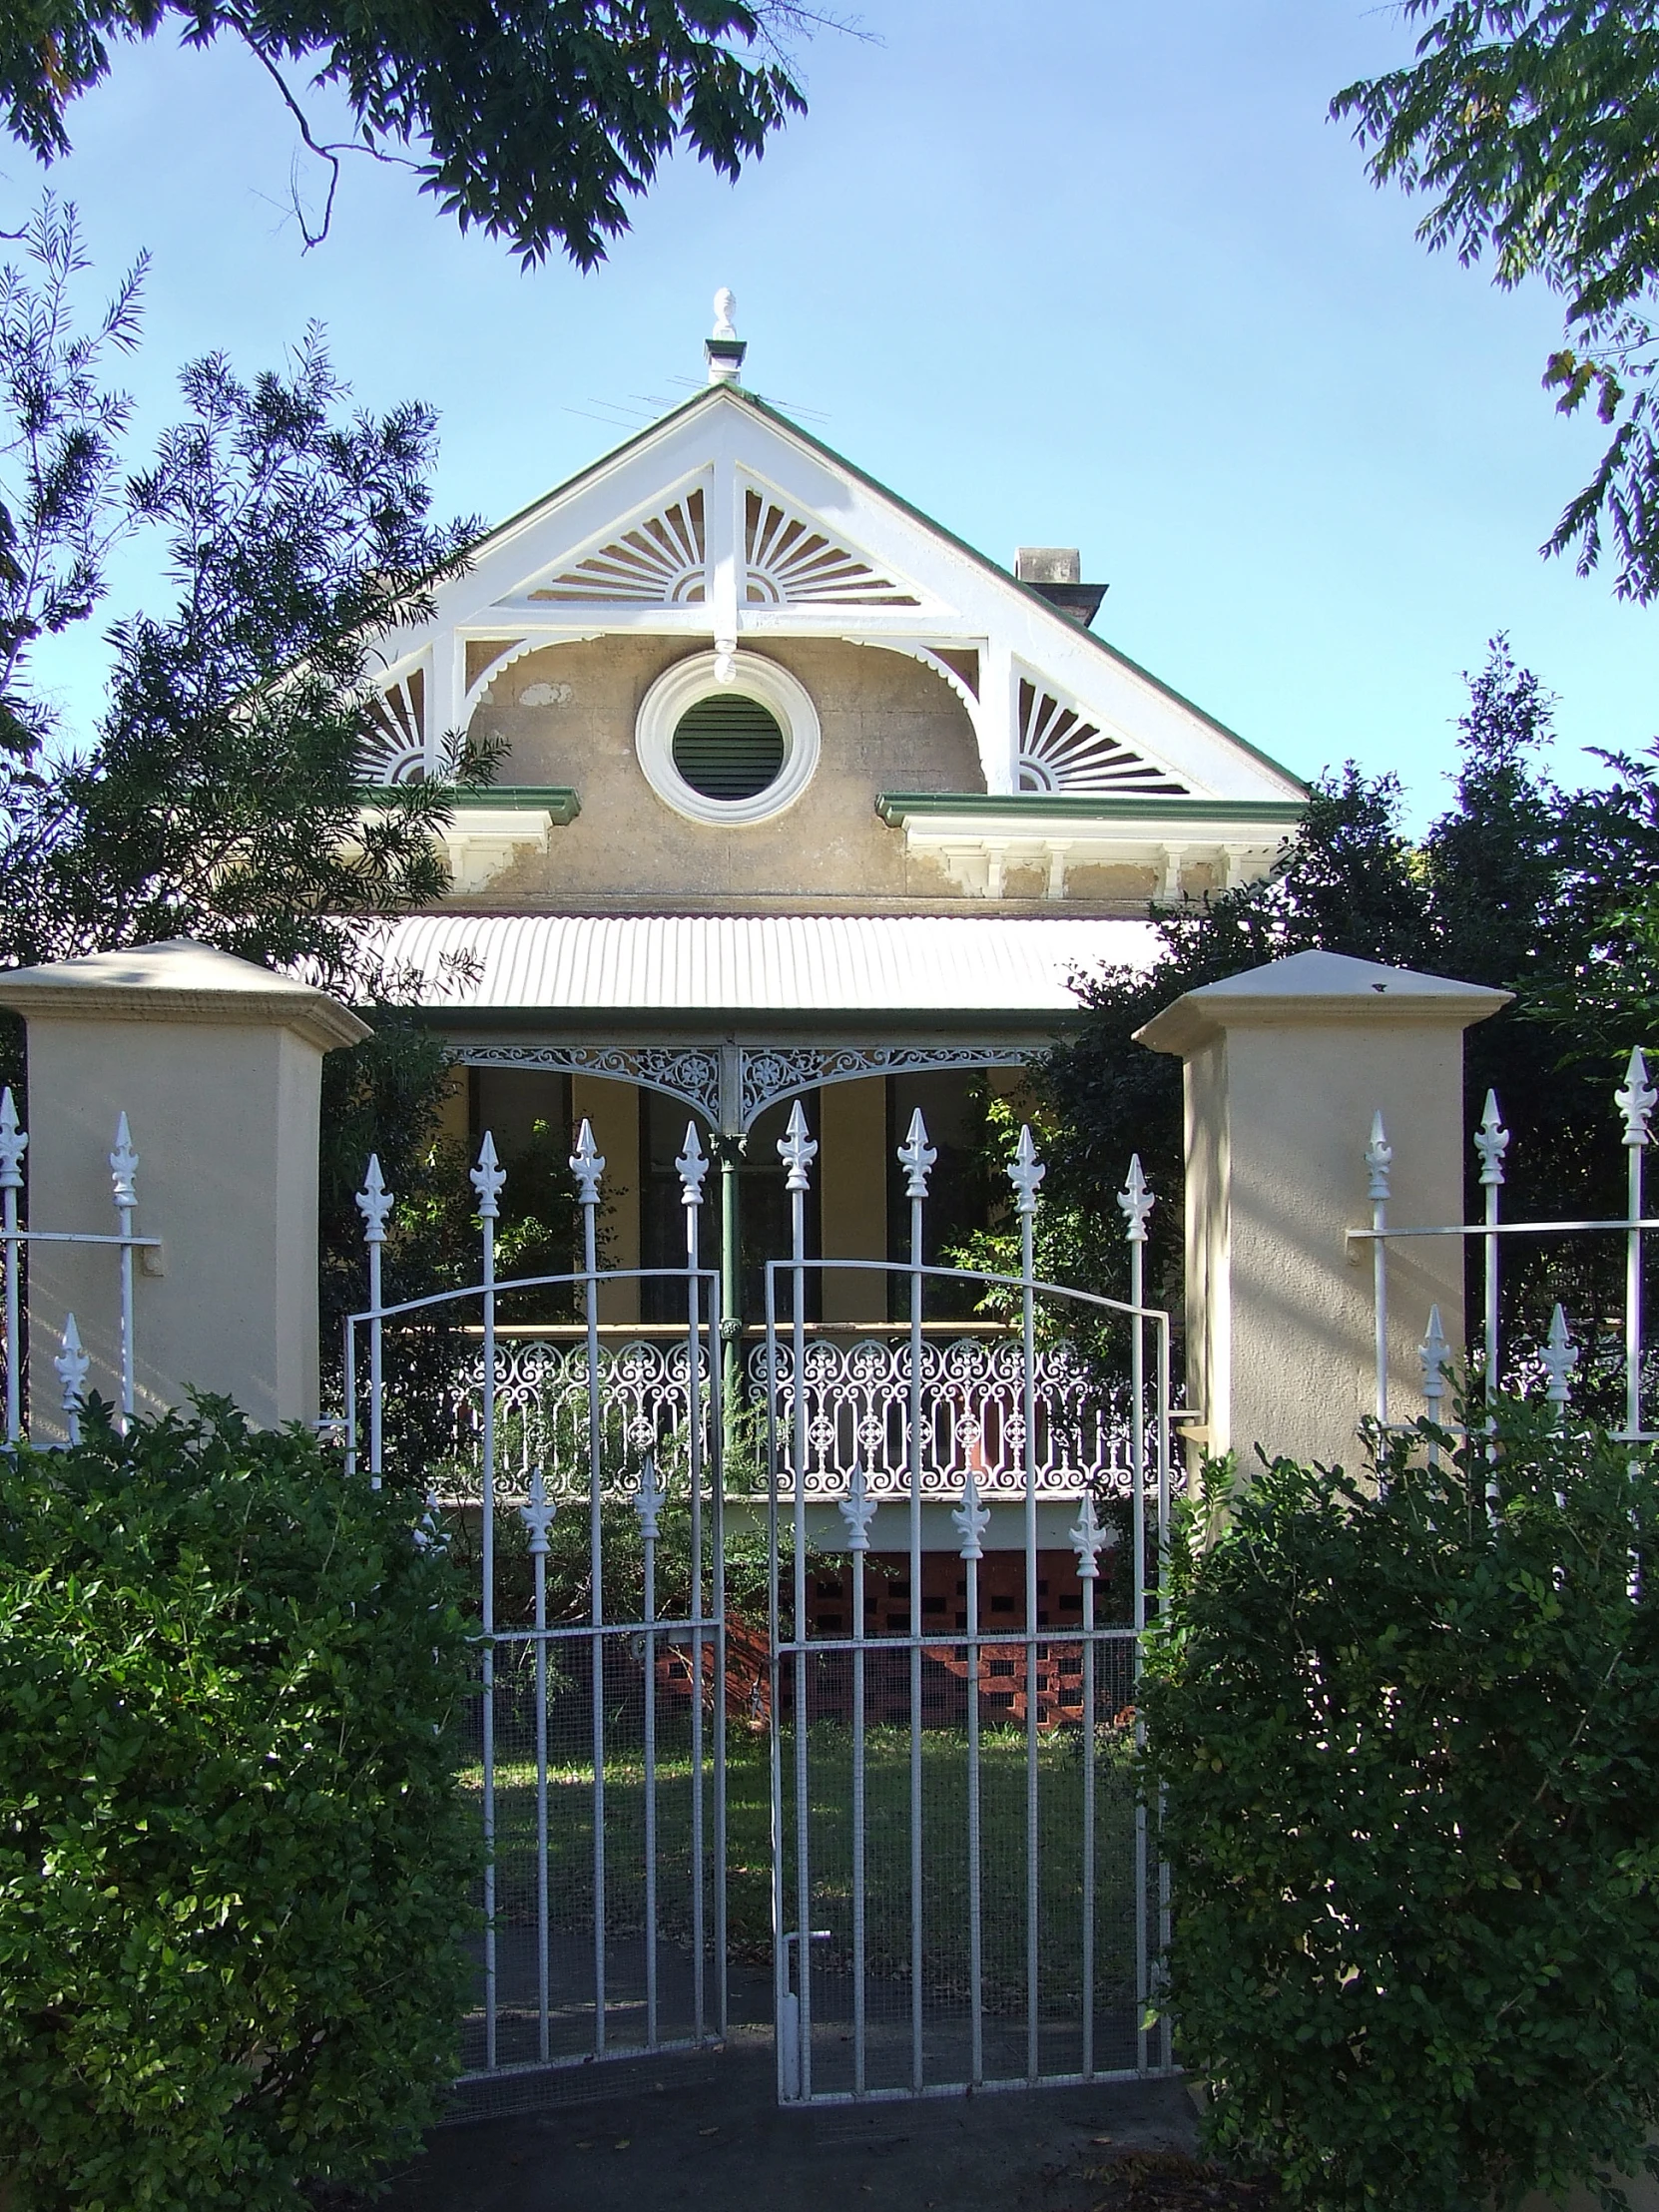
point(759, 967)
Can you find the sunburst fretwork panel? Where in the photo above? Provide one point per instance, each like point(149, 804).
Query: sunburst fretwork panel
point(660, 562)
point(1061, 751)
point(396, 750)
point(790, 562)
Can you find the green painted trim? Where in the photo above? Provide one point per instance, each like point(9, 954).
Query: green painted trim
point(560, 800)
point(736, 394)
point(897, 807)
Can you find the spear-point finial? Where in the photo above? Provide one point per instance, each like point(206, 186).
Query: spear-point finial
point(587, 1165)
point(694, 1166)
point(374, 1202)
point(1491, 1141)
point(1090, 1537)
point(426, 1535)
point(538, 1514)
point(1380, 1155)
point(1435, 1355)
point(1637, 1099)
point(1135, 1202)
point(1025, 1172)
point(14, 1143)
point(857, 1510)
point(649, 1497)
point(124, 1163)
point(1560, 1356)
point(71, 1364)
point(487, 1179)
point(971, 1519)
point(796, 1150)
point(916, 1157)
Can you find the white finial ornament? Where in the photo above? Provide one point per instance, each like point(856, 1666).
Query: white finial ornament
point(796, 1150)
point(1135, 1202)
point(916, 1157)
point(1491, 1141)
point(13, 1144)
point(1435, 1355)
point(426, 1534)
point(1560, 1356)
point(726, 308)
point(1637, 1100)
point(1025, 1172)
point(71, 1364)
point(1090, 1537)
point(374, 1202)
point(1379, 1156)
point(123, 1166)
point(650, 1498)
point(586, 1163)
point(857, 1510)
point(971, 1519)
point(538, 1514)
point(694, 1166)
point(487, 1179)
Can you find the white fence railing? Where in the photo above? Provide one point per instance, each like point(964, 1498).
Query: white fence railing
point(1559, 1358)
point(72, 1362)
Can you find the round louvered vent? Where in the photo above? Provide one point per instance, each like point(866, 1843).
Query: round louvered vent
point(729, 747)
point(728, 739)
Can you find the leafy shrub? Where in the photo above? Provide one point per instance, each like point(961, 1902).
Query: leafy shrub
point(1411, 1762)
point(234, 1866)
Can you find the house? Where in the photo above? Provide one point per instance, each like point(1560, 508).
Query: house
point(801, 797)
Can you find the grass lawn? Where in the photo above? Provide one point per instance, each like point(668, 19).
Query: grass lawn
point(945, 1864)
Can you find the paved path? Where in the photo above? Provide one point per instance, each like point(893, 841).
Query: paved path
point(712, 2135)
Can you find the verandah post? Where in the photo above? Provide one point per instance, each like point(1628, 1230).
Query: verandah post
point(1287, 1067)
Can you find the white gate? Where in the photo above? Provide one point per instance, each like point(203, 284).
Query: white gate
point(966, 1894)
point(685, 1761)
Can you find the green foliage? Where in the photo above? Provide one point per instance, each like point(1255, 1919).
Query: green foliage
point(60, 505)
point(1531, 126)
point(232, 1852)
point(222, 797)
point(1406, 1755)
point(1552, 893)
point(538, 123)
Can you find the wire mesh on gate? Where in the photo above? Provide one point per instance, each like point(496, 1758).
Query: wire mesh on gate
point(963, 1897)
point(596, 1747)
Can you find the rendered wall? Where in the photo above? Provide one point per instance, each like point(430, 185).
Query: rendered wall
point(567, 714)
point(224, 1121)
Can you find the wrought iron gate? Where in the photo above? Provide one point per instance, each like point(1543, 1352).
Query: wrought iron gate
point(953, 1798)
point(962, 1891)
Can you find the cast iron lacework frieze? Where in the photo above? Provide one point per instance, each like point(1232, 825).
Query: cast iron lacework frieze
point(760, 1076)
point(779, 1072)
point(692, 1077)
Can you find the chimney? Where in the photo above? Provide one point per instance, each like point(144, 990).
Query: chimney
point(724, 349)
point(1055, 571)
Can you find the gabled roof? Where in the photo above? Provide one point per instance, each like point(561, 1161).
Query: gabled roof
point(724, 519)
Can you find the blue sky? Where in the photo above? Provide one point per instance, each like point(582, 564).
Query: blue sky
point(1065, 272)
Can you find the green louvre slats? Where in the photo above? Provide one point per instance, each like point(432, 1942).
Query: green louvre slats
point(729, 747)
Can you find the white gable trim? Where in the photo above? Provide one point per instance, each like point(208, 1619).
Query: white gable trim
point(924, 592)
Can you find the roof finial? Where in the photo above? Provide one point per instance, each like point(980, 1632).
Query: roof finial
point(724, 349)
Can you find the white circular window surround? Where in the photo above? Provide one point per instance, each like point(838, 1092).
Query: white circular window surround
point(683, 687)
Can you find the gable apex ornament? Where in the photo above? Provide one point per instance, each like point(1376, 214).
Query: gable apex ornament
point(722, 349)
